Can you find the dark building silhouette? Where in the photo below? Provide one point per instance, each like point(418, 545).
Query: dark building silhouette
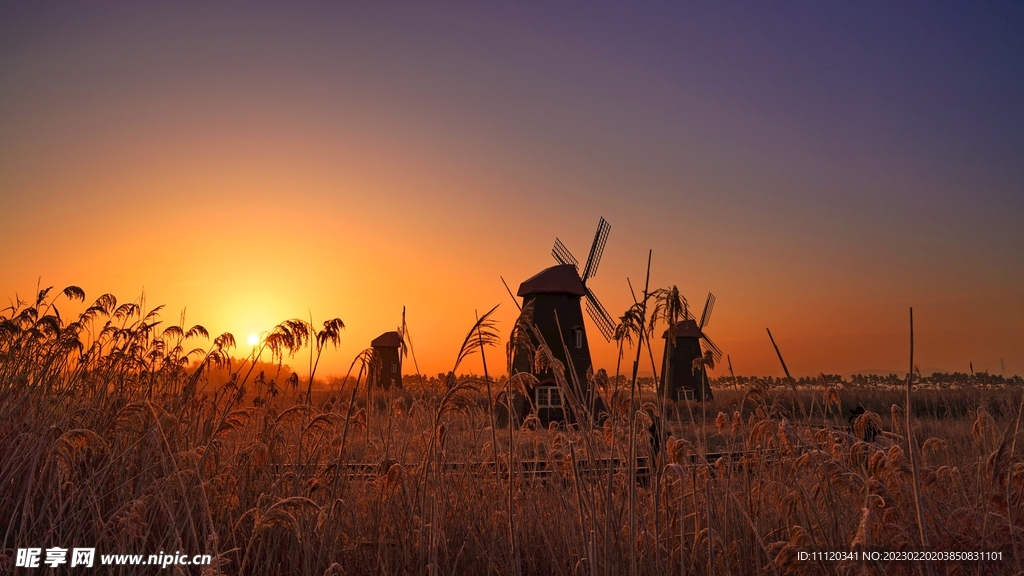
point(554, 297)
point(683, 370)
point(388, 347)
point(686, 382)
point(556, 291)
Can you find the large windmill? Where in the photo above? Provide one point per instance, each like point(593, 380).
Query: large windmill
point(554, 296)
point(684, 367)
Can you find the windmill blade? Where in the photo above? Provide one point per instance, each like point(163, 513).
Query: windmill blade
point(604, 321)
point(562, 254)
point(596, 249)
point(705, 318)
point(716, 353)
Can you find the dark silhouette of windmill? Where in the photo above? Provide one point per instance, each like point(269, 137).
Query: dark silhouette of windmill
point(554, 296)
point(684, 367)
point(390, 348)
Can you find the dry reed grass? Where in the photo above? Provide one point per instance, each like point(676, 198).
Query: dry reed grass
point(113, 437)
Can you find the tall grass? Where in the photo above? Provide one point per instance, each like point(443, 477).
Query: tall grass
point(114, 436)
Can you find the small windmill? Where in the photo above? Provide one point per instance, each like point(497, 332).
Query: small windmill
point(554, 297)
point(390, 348)
point(684, 367)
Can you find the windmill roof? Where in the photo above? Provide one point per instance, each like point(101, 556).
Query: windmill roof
point(685, 329)
point(387, 340)
point(561, 279)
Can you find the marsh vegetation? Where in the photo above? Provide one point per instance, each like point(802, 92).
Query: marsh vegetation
point(115, 436)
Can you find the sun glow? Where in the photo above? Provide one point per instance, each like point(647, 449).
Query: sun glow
point(253, 339)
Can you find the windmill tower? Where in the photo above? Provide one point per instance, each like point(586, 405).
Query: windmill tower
point(683, 370)
point(554, 296)
point(390, 348)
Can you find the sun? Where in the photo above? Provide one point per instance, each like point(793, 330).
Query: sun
point(253, 339)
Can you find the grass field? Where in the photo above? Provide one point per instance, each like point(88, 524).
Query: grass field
point(115, 436)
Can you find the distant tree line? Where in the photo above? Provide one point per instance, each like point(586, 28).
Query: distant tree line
point(941, 379)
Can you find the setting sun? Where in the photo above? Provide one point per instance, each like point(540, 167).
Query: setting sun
point(512, 288)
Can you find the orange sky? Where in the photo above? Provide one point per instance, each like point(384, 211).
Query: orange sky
point(282, 165)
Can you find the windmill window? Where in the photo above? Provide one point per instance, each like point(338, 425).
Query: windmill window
point(578, 337)
point(394, 368)
point(548, 397)
point(685, 394)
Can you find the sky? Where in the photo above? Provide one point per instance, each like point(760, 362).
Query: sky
point(821, 168)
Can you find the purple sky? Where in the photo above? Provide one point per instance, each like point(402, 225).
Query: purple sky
point(819, 167)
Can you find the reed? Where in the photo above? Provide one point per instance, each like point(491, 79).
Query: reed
point(132, 436)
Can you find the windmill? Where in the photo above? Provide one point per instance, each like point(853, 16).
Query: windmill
point(554, 296)
point(684, 367)
point(390, 348)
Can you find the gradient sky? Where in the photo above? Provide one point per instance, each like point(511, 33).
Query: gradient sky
point(820, 168)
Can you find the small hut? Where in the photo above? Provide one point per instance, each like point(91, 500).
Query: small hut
point(388, 347)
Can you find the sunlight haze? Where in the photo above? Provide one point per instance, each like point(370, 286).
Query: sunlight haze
point(819, 170)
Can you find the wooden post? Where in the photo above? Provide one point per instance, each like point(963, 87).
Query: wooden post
point(792, 383)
